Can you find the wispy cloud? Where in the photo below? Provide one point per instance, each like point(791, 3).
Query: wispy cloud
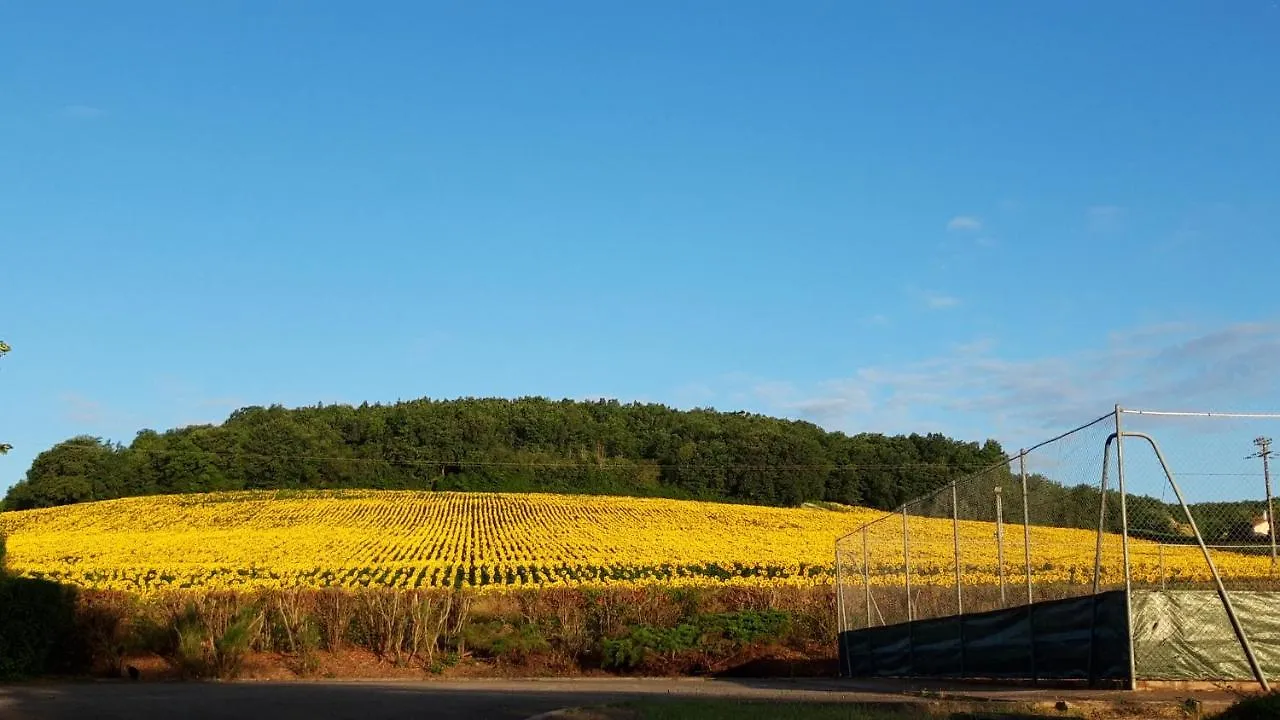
point(983, 389)
point(832, 400)
point(694, 395)
point(878, 320)
point(1104, 218)
point(83, 112)
point(932, 299)
point(230, 402)
point(81, 410)
point(939, 301)
point(186, 403)
point(964, 223)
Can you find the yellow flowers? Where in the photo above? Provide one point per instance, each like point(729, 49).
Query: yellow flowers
point(423, 539)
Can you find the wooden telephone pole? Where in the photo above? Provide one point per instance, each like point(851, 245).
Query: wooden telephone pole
point(1264, 452)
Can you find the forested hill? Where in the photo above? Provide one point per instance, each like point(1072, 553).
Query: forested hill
point(508, 445)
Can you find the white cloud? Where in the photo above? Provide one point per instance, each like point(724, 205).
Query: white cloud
point(982, 389)
point(938, 301)
point(81, 410)
point(1104, 218)
point(878, 320)
point(967, 223)
point(83, 112)
point(932, 299)
point(694, 395)
point(230, 403)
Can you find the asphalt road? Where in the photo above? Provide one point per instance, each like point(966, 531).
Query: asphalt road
point(497, 699)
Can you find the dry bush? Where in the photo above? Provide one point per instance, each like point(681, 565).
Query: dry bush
point(211, 634)
point(334, 610)
point(294, 616)
point(562, 629)
point(405, 625)
point(104, 622)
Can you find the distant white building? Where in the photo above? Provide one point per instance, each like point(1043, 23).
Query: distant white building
point(1261, 526)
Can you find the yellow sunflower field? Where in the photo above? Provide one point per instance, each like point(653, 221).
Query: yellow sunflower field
point(409, 539)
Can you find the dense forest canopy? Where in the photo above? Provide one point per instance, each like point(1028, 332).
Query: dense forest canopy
point(508, 445)
point(535, 444)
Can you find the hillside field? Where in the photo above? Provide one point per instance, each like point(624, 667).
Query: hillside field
point(408, 539)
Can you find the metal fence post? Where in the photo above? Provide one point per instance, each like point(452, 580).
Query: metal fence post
point(1124, 545)
point(840, 626)
point(1162, 583)
point(1004, 601)
point(906, 561)
point(1026, 520)
point(866, 574)
point(1102, 515)
point(955, 541)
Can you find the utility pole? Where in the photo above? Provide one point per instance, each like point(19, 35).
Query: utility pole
point(1264, 452)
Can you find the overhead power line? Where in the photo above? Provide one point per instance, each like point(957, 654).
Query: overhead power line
point(586, 464)
point(237, 454)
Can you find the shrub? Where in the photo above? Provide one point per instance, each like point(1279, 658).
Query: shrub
point(294, 628)
point(502, 640)
point(707, 634)
point(405, 625)
point(105, 625)
point(47, 628)
point(1260, 707)
point(335, 609)
point(37, 628)
point(207, 645)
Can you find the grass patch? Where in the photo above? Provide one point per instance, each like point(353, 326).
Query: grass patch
point(1262, 707)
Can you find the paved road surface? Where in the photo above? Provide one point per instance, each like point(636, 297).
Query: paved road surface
point(497, 699)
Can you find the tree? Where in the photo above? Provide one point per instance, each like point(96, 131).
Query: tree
point(82, 468)
point(511, 445)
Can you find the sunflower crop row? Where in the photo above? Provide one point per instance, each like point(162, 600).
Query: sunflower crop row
point(478, 540)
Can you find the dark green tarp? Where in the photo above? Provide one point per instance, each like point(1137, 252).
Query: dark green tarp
point(1074, 639)
point(1185, 634)
point(1177, 635)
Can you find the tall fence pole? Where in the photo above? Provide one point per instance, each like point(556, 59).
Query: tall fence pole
point(955, 541)
point(1162, 583)
point(841, 626)
point(1026, 520)
point(906, 561)
point(1124, 545)
point(866, 574)
point(1000, 546)
point(1102, 516)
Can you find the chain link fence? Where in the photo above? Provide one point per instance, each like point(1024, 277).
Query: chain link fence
point(1202, 535)
point(1192, 536)
point(1017, 532)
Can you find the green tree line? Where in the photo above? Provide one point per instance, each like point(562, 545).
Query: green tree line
point(1055, 504)
point(490, 444)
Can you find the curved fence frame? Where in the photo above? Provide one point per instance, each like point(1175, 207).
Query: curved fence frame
point(1003, 538)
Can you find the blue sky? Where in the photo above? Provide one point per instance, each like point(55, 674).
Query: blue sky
point(992, 220)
